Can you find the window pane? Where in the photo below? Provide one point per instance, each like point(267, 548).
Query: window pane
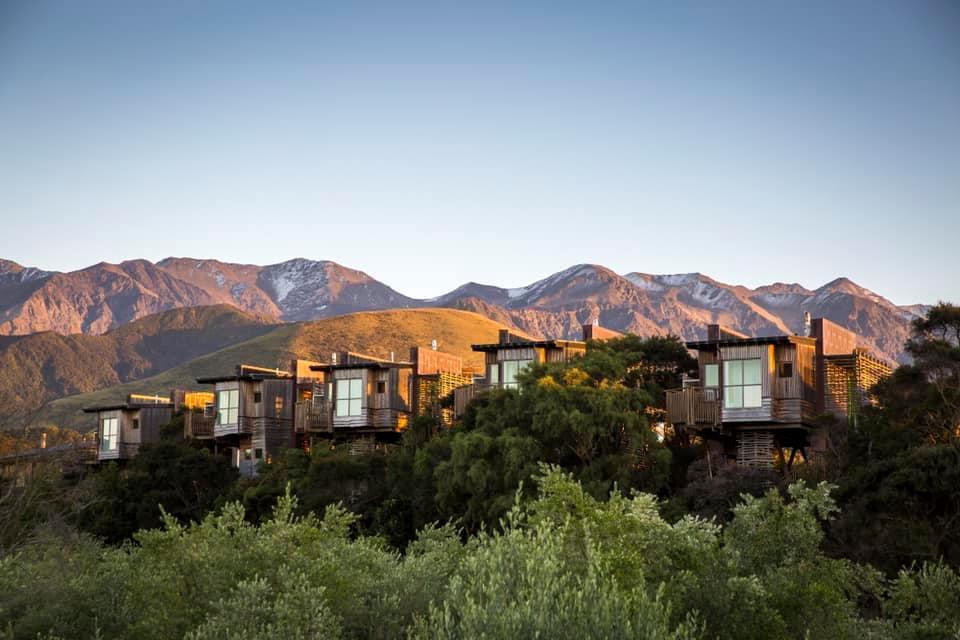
point(493, 374)
point(356, 388)
point(732, 372)
point(509, 371)
point(733, 397)
point(343, 406)
point(751, 396)
point(751, 371)
point(355, 406)
point(343, 389)
point(711, 375)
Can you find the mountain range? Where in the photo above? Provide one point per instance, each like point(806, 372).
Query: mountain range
point(106, 296)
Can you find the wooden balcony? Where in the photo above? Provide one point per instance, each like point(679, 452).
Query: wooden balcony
point(123, 451)
point(313, 417)
point(320, 418)
point(693, 406)
point(198, 426)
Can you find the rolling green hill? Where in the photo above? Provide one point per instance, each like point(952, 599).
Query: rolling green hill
point(376, 333)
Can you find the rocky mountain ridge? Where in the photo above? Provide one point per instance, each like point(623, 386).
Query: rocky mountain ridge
point(105, 296)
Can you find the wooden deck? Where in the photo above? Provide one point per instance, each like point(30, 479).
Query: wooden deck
point(693, 406)
point(198, 426)
point(320, 418)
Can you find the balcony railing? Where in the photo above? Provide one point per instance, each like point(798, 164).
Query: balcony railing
point(197, 425)
point(693, 406)
point(320, 417)
point(314, 416)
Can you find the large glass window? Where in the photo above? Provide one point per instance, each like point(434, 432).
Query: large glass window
point(493, 374)
point(228, 406)
point(741, 384)
point(711, 375)
point(349, 397)
point(510, 370)
point(109, 434)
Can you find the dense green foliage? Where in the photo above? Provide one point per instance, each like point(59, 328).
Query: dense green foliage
point(563, 564)
point(899, 467)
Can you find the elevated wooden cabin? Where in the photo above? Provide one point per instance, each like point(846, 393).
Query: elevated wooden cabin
point(122, 428)
point(507, 357)
point(252, 414)
point(760, 396)
point(361, 394)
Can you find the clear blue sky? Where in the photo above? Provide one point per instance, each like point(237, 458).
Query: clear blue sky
point(431, 144)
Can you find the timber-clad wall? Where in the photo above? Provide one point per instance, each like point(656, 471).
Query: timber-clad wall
point(431, 390)
point(746, 352)
point(152, 419)
point(847, 380)
point(794, 397)
point(387, 410)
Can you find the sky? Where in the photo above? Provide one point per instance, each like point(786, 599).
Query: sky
point(431, 144)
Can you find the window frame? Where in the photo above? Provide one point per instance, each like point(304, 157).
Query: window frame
point(350, 406)
point(510, 381)
point(706, 378)
point(113, 438)
point(230, 409)
point(735, 383)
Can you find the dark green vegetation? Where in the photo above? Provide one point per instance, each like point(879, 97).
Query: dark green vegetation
point(553, 512)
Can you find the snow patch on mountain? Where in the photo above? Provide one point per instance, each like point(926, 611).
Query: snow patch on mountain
point(530, 293)
point(780, 299)
point(644, 281)
point(678, 279)
point(287, 277)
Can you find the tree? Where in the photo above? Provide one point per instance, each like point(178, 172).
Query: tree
point(174, 477)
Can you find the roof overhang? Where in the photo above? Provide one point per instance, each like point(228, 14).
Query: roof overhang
point(361, 365)
point(713, 345)
point(528, 344)
point(129, 407)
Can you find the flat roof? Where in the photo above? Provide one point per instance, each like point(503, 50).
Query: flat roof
point(527, 344)
point(248, 377)
point(360, 365)
point(702, 345)
point(129, 407)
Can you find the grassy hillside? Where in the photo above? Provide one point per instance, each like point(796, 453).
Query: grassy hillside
point(376, 333)
point(40, 367)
